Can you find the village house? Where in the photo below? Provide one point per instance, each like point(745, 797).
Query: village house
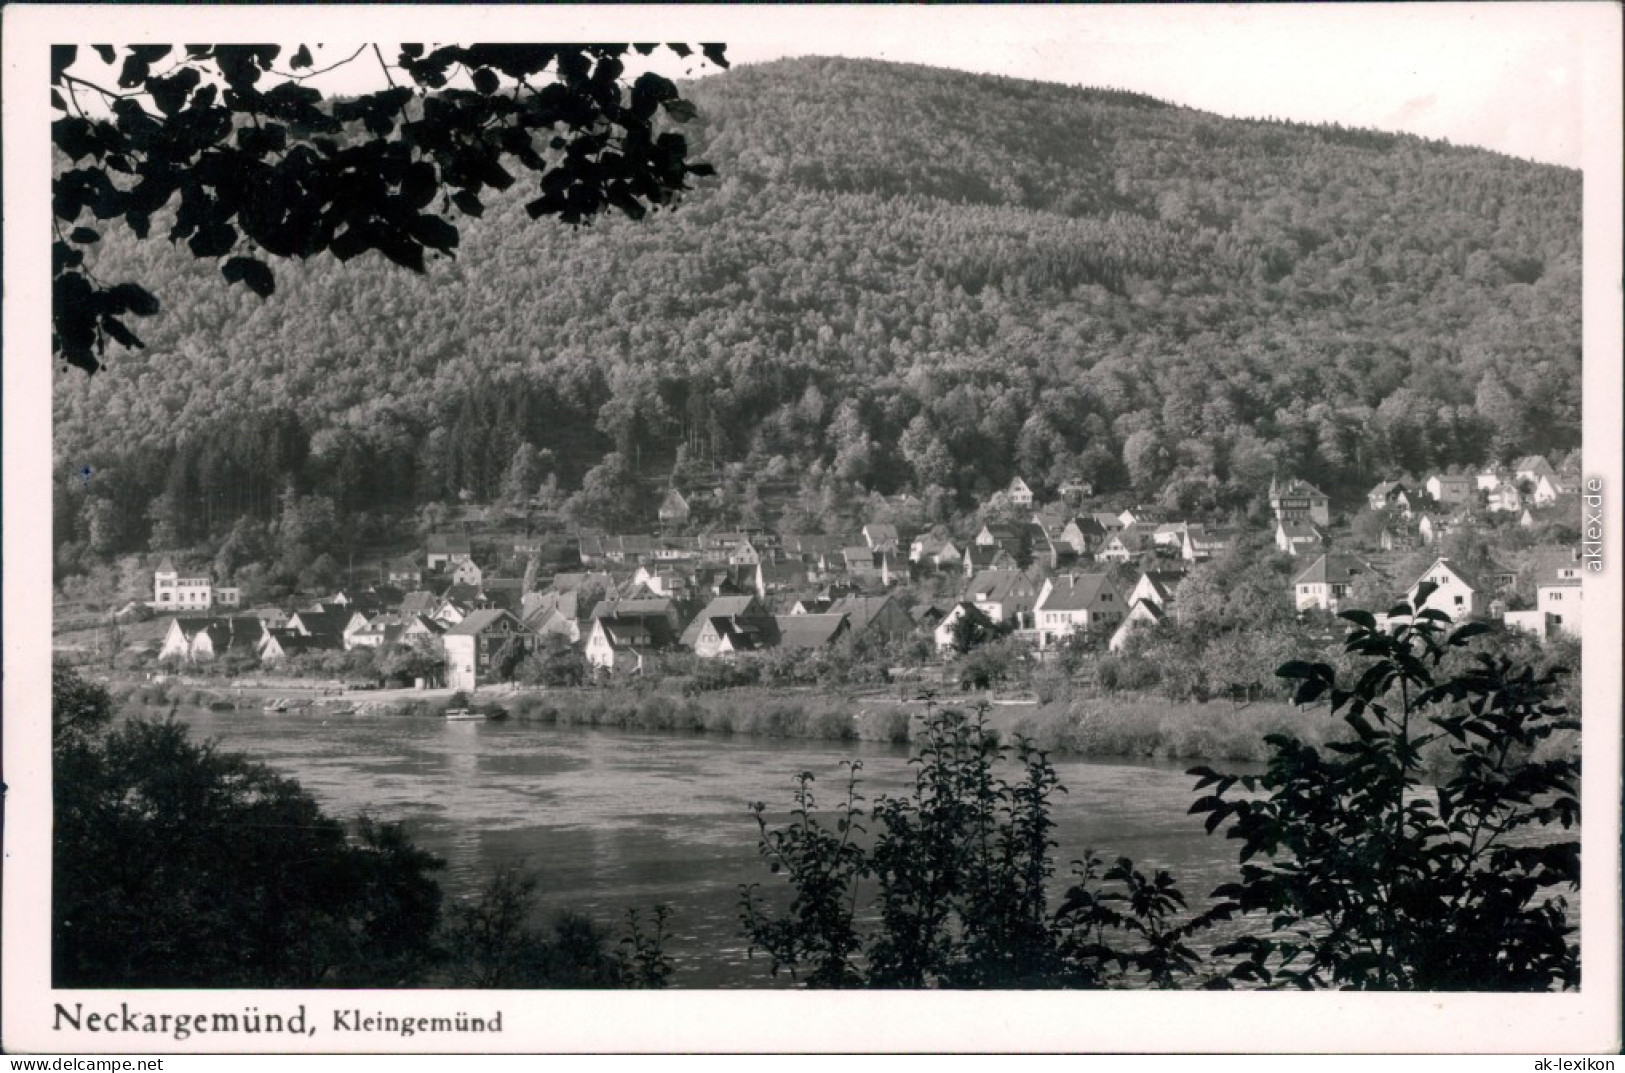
point(1145, 518)
point(1125, 546)
point(1297, 537)
point(1451, 489)
point(1505, 497)
point(442, 548)
point(465, 571)
point(1004, 596)
point(1071, 603)
point(1156, 586)
point(1085, 534)
point(1142, 615)
point(404, 571)
point(195, 591)
point(1390, 495)
point(874, 614)
point(881, 536)
point(1560, 599)
point(1532, 468)
point(935, 551)
point(1076, 489)
point(280, 644)
point(1169, 535)
point(1018, 493)
point(195, 639)
point(945, 634)
point(747, 607)
point(979, 557)
point(626, 645)
point(724, 637)
point(1457, 593)
point(744, 553)
point(1300, 500)
point(1202, 543)
point(674, 509)
point(1324, 583)
point(1550, 489)
point(474, 646)
point(811, 631)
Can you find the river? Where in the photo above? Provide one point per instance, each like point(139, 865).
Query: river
point(612, 820)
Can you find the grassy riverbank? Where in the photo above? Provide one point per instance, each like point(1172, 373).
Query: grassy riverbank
point(1099, 727)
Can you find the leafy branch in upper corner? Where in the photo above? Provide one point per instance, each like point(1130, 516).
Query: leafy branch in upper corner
point(1374, 880)
point(282, 172)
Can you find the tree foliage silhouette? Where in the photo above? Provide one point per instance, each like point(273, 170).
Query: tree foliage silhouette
point(259, 165)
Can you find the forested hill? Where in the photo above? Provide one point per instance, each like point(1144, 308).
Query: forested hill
point(901, 276)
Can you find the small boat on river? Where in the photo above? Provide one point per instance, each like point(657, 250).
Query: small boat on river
point(276, 704)
point(464, 714)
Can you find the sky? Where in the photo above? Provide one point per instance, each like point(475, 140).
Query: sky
point(1503, 76)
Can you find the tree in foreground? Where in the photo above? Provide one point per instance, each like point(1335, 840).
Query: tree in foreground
point(958, 870)
point(255, 164)
point(175, 865)
point(1372, 878)
point(1358, 873)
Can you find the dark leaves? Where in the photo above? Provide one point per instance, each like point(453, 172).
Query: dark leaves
point(255, 274)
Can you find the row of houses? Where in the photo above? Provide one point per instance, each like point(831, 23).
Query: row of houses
point(1458, 591)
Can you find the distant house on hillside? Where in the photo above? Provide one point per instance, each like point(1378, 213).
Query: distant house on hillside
point(946, 631)
point(194, 639)
point(442, 548)
point(1452, 489)
point(674, 509)
point(1018, 493)
point(1390, 495)
point(1202, 543)
point(1297, 499)
point(1324, 583)
point(1532, 468)
point(1297, 537)
point(404, 571)
point(194, 590)
point(1457, 593)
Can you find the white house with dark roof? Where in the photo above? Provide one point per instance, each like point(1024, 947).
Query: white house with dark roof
point(473, 645)
point(1324, 583)
point(1003, 595)
point(1457, 593)
point(1142, 615)
point(1018, 493)
point(1297, 537)
point(1070, 603)
point(1452, 489)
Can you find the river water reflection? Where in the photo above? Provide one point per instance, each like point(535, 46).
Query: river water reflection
point(612, 820)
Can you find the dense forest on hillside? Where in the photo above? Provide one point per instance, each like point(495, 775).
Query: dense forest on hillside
point(901, 277)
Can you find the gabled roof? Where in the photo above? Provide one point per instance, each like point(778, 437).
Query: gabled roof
point(860, 610)
point(1333, 568)
point(1467, 578)
point(448, 544)
point(995, 585)
point(477, 622)
point(674, 502)
point(1077, 592)
point(1296, 488)
point(419, 602)
point(721, 607)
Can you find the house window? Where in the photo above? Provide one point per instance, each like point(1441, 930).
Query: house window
point(1459, 601)
point(1556, 596)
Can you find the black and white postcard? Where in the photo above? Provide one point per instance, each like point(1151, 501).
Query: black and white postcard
point(699, 529)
